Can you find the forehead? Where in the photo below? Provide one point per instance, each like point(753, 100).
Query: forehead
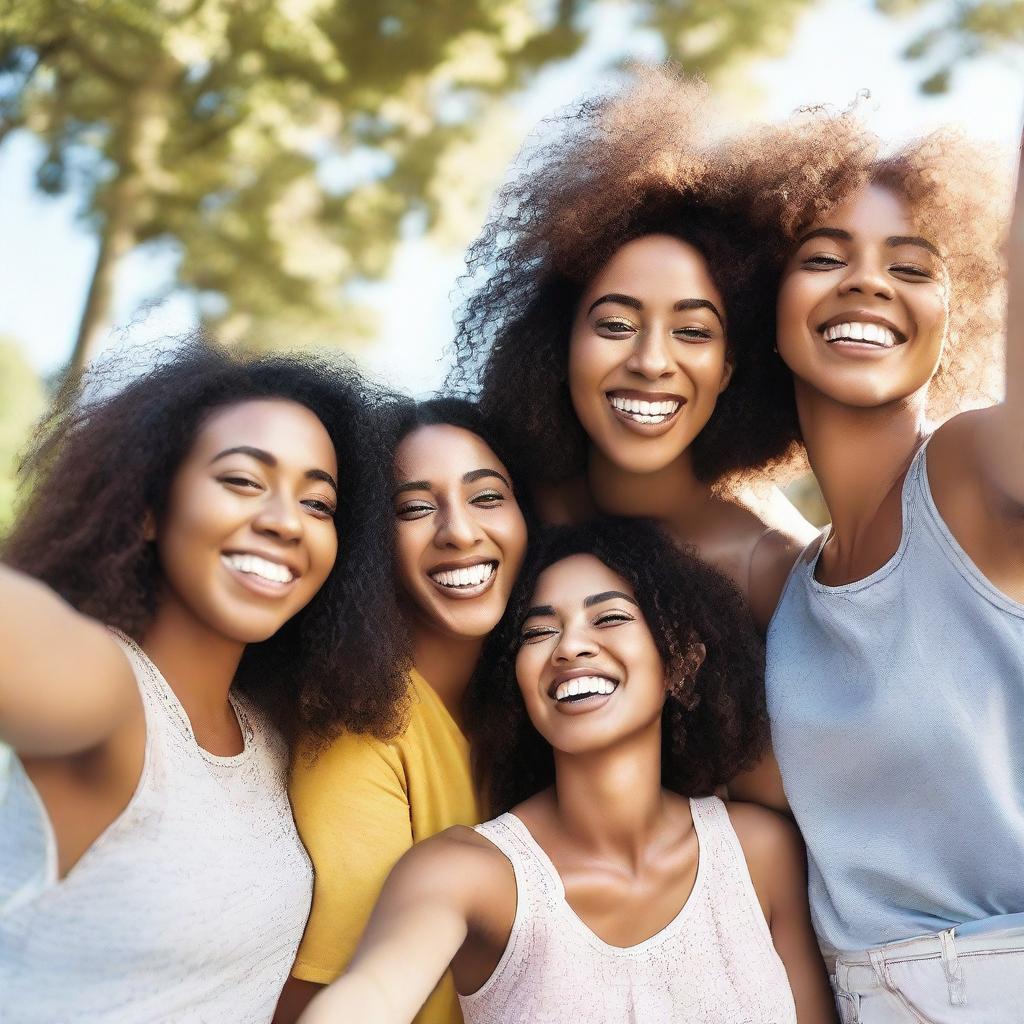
point(567, 583)
point(656, 266)
point(290, 432)
point(443, 452)
point(873, 211)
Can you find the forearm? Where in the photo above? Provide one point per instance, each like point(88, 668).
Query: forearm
point(353, 997)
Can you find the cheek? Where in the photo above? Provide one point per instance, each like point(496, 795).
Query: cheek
point(323, 546)
point(589, 361)
point(409, 544)
point(797, 298)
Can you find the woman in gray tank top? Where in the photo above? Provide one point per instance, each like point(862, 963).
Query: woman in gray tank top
point(896, 655)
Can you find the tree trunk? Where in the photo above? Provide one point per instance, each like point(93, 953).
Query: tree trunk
point(136, 151)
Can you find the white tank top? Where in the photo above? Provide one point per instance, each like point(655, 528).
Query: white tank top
point(714, 963)
point(189, 907)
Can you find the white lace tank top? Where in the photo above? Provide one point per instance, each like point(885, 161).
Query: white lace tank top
point(189, 907)
point(714, 963)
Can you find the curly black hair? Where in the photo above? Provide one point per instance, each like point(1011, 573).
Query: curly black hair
point(715, 722)
point(106, 455)
point(607, 171)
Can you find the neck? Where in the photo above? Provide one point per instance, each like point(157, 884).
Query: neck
point(198, 663)
point(857, 454)
point(672, 494)
point(612, 800)
point(446, 662)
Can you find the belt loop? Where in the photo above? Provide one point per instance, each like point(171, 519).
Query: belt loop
point(877, 958)
point(953, 968)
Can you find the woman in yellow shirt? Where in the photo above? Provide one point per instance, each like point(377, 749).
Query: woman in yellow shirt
point(361, 802)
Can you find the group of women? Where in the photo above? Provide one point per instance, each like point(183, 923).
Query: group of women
point(463, 708)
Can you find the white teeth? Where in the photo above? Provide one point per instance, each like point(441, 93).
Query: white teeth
point(644, 412)
point(256, 566)
point(471, 576)
point(585, 686)
point(876, 334)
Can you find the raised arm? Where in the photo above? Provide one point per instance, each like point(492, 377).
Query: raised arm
point(419, 924)
point(65, 685)
point(1002, 442)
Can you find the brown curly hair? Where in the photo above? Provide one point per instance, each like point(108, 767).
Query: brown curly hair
point(958, 194)
point(714, 723)
point(600, 174)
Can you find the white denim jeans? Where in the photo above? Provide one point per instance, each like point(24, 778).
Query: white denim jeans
point(935, 979)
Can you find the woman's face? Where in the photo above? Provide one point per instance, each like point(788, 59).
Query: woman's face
point(864, 304)
point(647, 354)
point(459, 533)
point(588, 667)
point(248, 537)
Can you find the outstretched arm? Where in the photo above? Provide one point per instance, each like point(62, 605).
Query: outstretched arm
point(1002, 444)
point(420, 922)
point(65, 685)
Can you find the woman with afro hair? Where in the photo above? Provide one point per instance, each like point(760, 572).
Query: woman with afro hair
point(618, 298)
point(622, 686)
point(895, 679)
point(187, 583)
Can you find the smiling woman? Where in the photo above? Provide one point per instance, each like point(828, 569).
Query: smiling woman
point(621, 687)
point(458, 533)
point(149, 863)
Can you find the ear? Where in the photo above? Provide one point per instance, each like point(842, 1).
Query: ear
point(149, 526)
point(726, 373)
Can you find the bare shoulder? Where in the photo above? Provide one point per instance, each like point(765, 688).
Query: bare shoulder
point(770, 841)
point(770, 564)
point(458, 856)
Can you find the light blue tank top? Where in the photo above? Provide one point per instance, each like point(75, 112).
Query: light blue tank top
point(897, 711)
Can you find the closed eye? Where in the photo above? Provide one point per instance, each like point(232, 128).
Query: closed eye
point(535, 633)
point(241, 481)
point(616, 327)
point(823, 262)
point(488, 499)
point(414, 510)
point(320, 507)
point(910, 269)
point(694, 333)
point(613, 618)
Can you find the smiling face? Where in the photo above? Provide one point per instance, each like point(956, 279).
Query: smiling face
point(248, 537)
point(647, 354)
point(863, 306)
point(588, 667)
point(459, 533)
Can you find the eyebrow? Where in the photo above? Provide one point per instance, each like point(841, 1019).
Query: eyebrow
point(588, 602)
point(271, 460)
point(467, 478)
point(607, 595)
point(893, 241)
point(682, 304)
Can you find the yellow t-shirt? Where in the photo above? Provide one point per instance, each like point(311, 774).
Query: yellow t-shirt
point(359, 806)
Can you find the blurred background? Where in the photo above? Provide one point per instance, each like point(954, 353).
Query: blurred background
point(308, 172)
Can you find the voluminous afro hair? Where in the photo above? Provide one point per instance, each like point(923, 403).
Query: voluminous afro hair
point(600, 174)
point(958, 196)
point(714, 724)
point(105, 457)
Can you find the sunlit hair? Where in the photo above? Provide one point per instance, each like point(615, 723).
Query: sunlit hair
point(958, 196)
point(603, 172)
point(104, 460)
point(714, 724)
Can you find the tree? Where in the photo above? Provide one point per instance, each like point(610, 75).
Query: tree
point(968, 29)
point(22, 402)
point(283, 146)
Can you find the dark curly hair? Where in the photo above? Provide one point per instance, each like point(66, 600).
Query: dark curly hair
point(106, 455)
point(602, 173)
point(715, 722)
point(958, 193)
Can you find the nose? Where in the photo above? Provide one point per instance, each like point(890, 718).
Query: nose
point(456, 528)
point(574, 642)
point(866, 277)
point(650, 356)
point(279, 518)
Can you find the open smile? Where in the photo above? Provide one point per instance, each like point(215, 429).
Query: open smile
point(861, 330)
point(649, 413)
point(259, 574)
point(575, 694)
point(465, 580)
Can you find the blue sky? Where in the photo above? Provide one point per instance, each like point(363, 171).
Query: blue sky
point(841, 47)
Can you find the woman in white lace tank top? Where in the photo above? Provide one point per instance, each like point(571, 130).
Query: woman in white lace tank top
point(150, 869)
point(625, 676)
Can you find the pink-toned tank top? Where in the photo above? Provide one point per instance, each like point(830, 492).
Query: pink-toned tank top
point(713, 963)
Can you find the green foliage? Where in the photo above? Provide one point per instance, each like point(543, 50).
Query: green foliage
point(965, 30)
point(22, 402)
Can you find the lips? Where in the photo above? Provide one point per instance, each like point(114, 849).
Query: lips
point(861, 328)
point(644, 410)
point(259, 573)
point(464, 579)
